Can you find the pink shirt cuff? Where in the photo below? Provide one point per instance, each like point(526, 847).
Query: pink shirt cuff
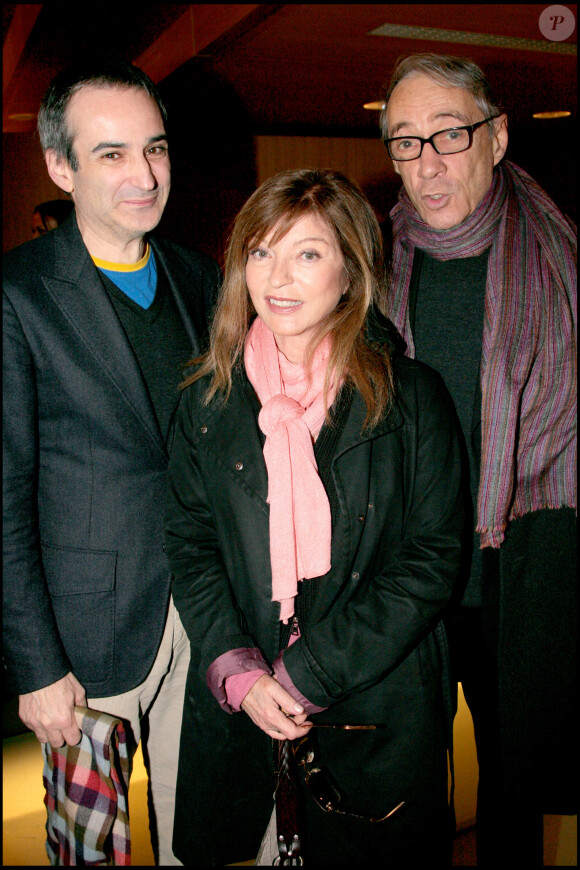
point(285, 681)
point(233, 666)
point(238, 685)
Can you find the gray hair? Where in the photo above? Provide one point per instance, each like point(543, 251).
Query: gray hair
point(53, 129)
point(446, 70)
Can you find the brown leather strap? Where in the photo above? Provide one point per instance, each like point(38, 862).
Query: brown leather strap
point(286, 795)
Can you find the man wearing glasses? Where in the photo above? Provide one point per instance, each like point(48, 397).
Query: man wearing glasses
point(483, 289)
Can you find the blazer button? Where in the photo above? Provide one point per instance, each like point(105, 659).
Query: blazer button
point(164, 547)
point(239, 466)
point(203, 430)
point(361, 519)
point(355, 575)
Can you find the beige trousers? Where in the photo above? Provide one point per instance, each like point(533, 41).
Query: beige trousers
point(159, 699)
point(268, 850)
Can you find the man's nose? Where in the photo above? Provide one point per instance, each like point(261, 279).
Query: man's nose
point(142, 174)
point(430, 162)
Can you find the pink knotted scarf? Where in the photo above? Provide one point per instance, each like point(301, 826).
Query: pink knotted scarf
point(293, 411)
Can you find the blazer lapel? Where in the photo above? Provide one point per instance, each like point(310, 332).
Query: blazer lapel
point(179, 274)
point(78, 291)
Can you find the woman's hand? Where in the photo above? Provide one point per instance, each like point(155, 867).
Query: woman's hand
point(273, 710)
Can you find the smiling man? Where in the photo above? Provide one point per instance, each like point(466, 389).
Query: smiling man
point(99, 318)
point(483, 289)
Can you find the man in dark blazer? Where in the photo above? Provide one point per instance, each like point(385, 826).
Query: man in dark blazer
point(99, 319)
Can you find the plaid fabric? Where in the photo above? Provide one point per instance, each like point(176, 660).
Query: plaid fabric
point(87, 794)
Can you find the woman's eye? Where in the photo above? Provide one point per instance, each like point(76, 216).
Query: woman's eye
point(309, 256)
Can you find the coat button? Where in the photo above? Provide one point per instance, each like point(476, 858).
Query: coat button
point(203, 430)
point(164, 547)
point(355, 575)
point(371, 506)
point(239, 466)
point(361, 519)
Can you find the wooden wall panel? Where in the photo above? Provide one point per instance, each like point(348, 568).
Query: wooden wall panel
point(26, 181)
point(364, 160)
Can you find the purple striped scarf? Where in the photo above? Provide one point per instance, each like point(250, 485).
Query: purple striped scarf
point(528, 360)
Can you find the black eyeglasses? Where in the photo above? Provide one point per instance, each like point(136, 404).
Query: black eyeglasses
point(320, 784)
point(451, 141)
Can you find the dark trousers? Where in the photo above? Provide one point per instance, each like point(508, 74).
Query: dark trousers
point(515, 657)
point(505, 832)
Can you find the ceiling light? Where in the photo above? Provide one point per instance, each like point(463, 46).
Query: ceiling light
point(466, 37)
point(377, 106)
point(546, 115)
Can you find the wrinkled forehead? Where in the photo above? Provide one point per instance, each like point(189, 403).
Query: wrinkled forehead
point(93, 109)
point(420, 100)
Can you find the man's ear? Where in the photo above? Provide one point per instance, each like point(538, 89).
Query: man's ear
point(500, 138)
point(59, 170)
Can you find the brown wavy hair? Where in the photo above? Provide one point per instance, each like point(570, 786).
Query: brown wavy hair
point(278, 204)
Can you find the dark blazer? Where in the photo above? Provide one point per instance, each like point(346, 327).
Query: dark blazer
point(86, 582)
point(367, 650)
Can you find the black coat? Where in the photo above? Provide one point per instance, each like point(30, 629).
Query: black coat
point(86, 582)
point(367, 650)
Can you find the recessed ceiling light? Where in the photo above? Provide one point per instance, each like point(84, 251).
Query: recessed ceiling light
point(546, 115)
point(22, 116)
point(377, 106)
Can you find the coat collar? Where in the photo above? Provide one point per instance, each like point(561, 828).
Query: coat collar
point(232, 432)
point(353, 433)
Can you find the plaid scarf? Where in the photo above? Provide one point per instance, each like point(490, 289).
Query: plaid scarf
point(528, 360)
point(86, 794)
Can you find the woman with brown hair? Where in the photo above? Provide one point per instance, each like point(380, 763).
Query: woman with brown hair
point(313, 529)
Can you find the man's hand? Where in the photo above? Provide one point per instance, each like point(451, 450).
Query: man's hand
point(49, 712)
point(275, 711)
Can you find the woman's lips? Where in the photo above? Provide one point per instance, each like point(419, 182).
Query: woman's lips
point(283, 305)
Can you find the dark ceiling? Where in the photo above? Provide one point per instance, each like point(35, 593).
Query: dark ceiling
point(295, 68)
